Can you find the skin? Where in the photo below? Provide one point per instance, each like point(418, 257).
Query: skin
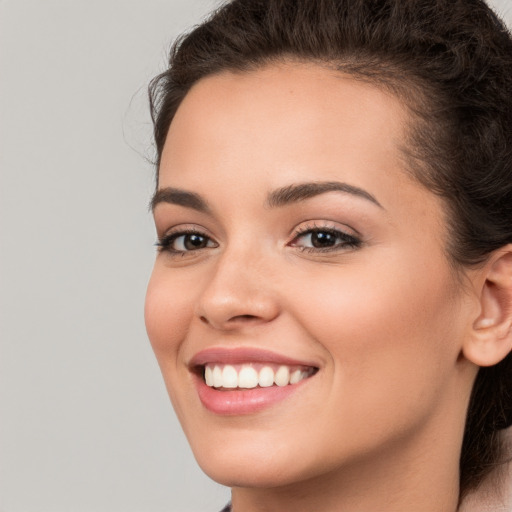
point(379, 427)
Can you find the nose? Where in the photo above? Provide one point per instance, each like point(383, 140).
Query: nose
point(238, 293)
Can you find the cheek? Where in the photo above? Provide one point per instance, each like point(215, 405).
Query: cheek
point(390, 330)
point(167, 314)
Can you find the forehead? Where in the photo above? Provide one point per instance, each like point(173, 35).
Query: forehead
point(289, 91)
point(281, 121)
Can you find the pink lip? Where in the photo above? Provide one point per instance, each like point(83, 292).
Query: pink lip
point(243, 355)
point(242, 401)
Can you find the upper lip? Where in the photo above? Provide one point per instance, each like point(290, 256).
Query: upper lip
point(240, 355)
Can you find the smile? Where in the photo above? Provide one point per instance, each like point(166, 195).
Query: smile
point(238, 381)
point(253, 375)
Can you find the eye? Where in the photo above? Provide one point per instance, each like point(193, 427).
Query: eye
point(185, 241)
point(324, 239)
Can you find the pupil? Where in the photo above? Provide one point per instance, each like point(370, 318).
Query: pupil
point(323, 239)
point(195, 242)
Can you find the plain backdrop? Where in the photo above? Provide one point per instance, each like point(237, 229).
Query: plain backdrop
point(85, 422)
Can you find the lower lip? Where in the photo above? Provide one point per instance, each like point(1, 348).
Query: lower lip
point(243, 401)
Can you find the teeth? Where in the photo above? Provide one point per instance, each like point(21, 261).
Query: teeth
point(282, 377)
point(295, 377)
point(229, 377)
point(208, 376)
point(247, 376)
point(217, 377)
point(266, 377)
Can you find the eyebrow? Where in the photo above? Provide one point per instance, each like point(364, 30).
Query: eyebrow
point(299, 192)
point(179, 197)
point(277, 198)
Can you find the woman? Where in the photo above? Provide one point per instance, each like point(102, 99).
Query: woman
point(331, 304)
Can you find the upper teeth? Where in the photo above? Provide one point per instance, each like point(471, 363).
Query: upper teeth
point(248, 376)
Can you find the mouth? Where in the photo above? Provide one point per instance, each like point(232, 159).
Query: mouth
point(242, 381)
point(253, 375)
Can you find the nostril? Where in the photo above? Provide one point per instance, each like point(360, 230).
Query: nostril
point(244, 318)
point(234, 320)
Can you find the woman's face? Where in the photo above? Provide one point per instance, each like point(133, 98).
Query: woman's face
point(294, 245)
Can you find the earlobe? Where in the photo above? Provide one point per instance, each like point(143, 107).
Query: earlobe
point(490, 338)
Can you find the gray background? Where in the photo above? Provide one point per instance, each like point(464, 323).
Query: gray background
point(85, 422)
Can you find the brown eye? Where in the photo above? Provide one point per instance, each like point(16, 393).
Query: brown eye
point(191, 242)
point(325, 239)
point(185, 242)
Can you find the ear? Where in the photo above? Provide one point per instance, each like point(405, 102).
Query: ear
point(490, 338)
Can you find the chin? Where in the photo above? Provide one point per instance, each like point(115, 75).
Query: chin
point(256, 474)
point(256, 463)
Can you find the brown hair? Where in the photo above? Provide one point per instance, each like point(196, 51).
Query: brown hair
point(451, 63)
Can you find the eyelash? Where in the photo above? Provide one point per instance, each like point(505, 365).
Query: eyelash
point(345, 241)
point(165, 243)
